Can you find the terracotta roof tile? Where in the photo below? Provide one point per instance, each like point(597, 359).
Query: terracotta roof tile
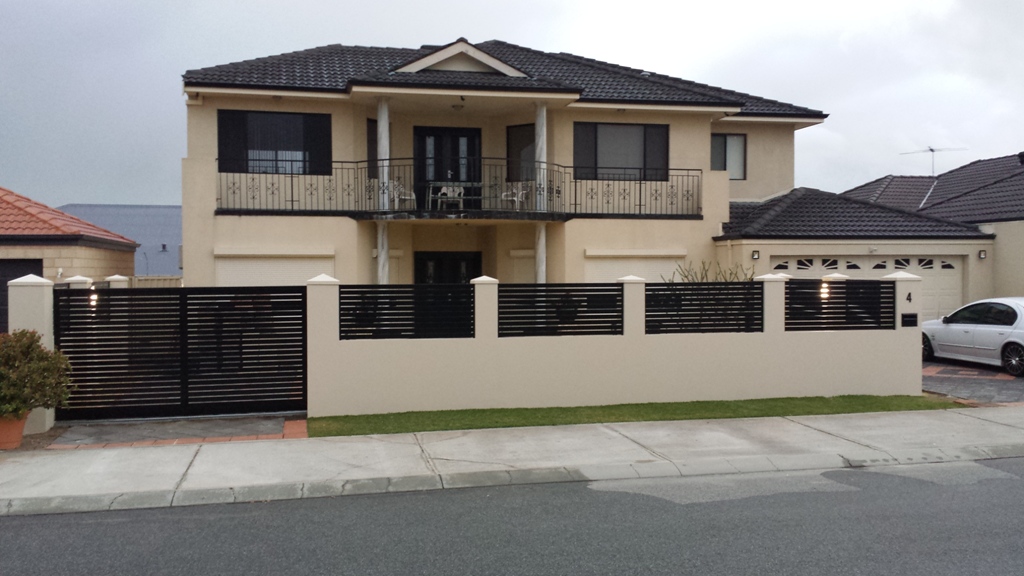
point(21, 216)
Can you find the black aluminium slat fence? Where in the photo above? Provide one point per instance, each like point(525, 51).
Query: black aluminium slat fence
point(369, 311)
point(681, 308)
point(559, 309)
point(182, 351)
point(847, 305)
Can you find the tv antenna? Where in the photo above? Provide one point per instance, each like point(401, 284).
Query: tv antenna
point(932, 151)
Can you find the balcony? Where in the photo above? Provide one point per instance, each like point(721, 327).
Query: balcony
point(464, 188)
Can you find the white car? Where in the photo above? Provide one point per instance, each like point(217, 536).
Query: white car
point(987, 331)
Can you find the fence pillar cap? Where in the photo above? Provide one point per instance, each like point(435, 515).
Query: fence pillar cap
point(901, 276)
point(30, 280)
point(835, 277)
point(78, 279)
point(115, 278)
point(773, 278)
point(323, 279)
point(631, 280)
point(483, 280)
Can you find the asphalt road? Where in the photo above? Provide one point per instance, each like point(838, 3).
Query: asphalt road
point(936, 519)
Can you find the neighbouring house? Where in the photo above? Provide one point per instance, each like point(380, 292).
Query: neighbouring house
point(988, 193)
point(442, 163)
point(37, 239)
point(808, 233)
point(156, 228)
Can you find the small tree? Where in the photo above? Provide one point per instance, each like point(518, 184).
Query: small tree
point(735, 273)
point(31, 376)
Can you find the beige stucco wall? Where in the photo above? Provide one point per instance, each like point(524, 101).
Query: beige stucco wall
point(207, 237)
point(68, 261)
point(1005, 258)
point(382, 376)
point(770, 157)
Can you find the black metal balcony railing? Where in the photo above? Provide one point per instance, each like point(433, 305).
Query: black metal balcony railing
point(475, 185)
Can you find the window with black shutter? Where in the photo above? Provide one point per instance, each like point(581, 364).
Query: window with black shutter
point(620, 151)
point(273, 142)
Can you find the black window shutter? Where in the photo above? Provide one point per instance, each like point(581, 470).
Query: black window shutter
point(656, 152)
point(232, 151)
point(317, 131)
point(584, 151)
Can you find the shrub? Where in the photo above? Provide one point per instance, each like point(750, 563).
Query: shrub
point(31, 376)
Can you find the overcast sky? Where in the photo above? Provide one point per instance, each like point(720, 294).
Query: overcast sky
point(91, 109)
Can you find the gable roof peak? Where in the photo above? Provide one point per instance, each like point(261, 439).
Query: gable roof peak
point(460, 56)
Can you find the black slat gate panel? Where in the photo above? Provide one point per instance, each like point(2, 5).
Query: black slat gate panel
point(148, 352)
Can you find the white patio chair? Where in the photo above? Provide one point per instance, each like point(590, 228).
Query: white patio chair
point(449, 195)
point(516, 192)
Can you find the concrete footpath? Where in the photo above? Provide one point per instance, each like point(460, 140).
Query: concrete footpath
point(117, 478)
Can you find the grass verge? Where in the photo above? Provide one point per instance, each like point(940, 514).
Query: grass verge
point(517, 417)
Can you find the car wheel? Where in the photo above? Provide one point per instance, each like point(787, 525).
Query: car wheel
point(1013, 359)
point(926, 348)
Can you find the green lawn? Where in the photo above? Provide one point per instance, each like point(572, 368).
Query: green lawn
point(515, 417)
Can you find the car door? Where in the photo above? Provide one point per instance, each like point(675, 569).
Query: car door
point(992, 332)
point(955, 338)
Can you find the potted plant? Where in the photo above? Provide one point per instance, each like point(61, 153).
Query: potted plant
point(31, 376)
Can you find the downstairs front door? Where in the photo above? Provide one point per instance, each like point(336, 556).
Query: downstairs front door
point(447, 267)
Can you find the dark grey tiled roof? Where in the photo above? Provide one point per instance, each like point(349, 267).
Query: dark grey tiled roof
point(336, 68)
point(806, 213)
point(998, 202)
point(903, 192)
point(989, 190)
point(973, 176)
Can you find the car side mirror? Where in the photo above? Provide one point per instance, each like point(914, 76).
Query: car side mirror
point(945, 319)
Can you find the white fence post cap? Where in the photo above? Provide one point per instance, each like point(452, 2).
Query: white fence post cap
point(834, 277)
point(630, 280)
point(115, 278)
point(483, 280)
point(901, 276)
point(30, 280)
point(322, 279)
point(773, 277)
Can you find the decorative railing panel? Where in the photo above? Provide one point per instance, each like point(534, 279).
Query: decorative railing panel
point(396, 186)
point(679, 308)
point(406, 311)
point(139, 352)
point(843, 305)
point(559, 309)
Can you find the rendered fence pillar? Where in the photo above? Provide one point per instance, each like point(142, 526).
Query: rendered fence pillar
point(774, 302)
point(322, 326)
point(30, 307)
point(485, 297)
point(908, 297)
point(117, 281)
point(634, 306)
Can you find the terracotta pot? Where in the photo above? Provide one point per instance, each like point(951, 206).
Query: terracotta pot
point(11, 430)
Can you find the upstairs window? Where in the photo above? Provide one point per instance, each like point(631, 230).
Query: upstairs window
point(729, 152)
point(520, 146)
point(273, 142)
point(620, 151)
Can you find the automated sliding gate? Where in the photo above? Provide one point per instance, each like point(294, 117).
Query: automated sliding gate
point(151, 352)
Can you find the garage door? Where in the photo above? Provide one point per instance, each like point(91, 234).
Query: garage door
point(271, 271)
point(12, 270)
point(941, 276)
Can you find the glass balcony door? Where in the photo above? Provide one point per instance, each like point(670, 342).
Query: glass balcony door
point(447, 158)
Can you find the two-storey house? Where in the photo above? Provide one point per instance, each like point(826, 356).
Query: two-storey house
point(441, 163)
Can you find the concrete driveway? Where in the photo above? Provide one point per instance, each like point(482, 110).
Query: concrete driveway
point(976, 382)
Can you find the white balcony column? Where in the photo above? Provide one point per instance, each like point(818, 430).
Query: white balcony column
point(540, 156)
point(383, 154)
point(383, 253)
point(540, 253)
